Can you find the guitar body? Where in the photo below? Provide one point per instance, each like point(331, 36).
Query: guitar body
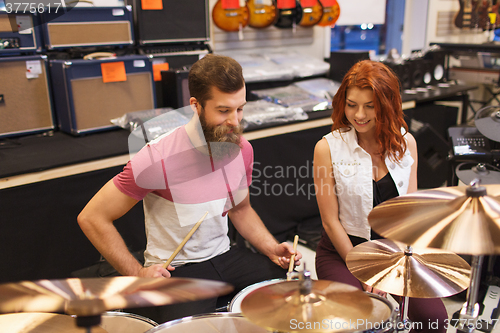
point(311, 15)
point(330, 15)
point(230, 20)
point(463, 19)
point(262, 13)
point(483, 14)
point(288, 17)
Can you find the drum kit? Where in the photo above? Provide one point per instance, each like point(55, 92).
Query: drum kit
point(424, 233)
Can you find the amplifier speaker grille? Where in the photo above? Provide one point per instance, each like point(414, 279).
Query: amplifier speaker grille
point(26, 104)
point(89, 33)
point(96, 103)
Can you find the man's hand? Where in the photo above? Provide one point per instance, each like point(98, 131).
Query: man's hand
point(282, 254)
point(155, 271)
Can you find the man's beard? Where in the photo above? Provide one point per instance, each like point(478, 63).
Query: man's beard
point(222, 140)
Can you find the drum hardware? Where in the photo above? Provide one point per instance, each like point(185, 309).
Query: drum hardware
point(461, 219)
point(486, 173)
point(400, 270)
point(293, 305)
point(87, 299)
point(487, 121)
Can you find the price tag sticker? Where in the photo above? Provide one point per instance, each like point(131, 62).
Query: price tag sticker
point(157, 68)
point(113, 72)
point(33, 69)
point(152, 4)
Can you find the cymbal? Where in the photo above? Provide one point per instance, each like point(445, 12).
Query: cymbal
point(449, 218)
point(34, 322)
point(392, 267)
point(487, 121)
point(486, 173)
point(93, 296)
point(281, 306)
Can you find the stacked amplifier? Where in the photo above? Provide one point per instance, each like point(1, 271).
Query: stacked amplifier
point(81, 66)
point(174, 34)
point(420, 70)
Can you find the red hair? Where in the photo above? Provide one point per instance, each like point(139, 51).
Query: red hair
point(386, 101)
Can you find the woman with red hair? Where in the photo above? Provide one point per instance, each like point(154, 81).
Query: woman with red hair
point(367, 158)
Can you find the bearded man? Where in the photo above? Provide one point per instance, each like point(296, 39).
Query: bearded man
point(204, 166)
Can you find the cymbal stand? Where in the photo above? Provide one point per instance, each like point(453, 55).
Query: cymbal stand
point(404, 323)
point(470, 310)
point(87, 322)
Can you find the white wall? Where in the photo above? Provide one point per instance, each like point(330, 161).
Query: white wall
point(432, 21)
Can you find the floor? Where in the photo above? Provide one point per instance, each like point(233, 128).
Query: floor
point(452, 304)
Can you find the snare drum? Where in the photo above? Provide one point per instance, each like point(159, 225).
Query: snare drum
point(121, 322)
point(223, 322)
point(235, 305)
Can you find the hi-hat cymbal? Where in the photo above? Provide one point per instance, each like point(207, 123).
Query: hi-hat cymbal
point(93, 296)
point(34, 322)
point(283, 307)
point(449, 218)
point(392, 267)
point(487, 121)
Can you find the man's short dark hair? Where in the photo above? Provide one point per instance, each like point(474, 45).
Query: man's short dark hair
point(218, 71)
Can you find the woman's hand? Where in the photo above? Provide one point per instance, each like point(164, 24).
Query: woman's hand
point(372, 290)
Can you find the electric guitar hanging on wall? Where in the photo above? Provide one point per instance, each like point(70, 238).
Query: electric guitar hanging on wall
point(230, 15)
point(289, 14)
point(312, 12)
point(262, 13)
point(464, 18)
point(331, 13)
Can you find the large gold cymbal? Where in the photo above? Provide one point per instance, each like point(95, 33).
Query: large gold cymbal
point(328, 307)
point(93, 296)
point(446, 218)
point(34, 322)
point(392, 267)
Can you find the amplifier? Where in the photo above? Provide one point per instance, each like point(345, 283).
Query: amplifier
point(20, 34)
point(25, 103)
point(171, 21)
point(175, 88)
point(403, 72)
point(173, 57)
point(89, 93)
point(438, 68)
point(88, 27)
point(342, 60)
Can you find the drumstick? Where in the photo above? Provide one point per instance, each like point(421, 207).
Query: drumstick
point(292, 258)
point(191, 232)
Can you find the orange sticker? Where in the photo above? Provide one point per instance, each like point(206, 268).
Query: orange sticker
point(308, 3)
point(286, 4)
point(113, 72)
point(157, 68)
point(328, 3)
point(230, 4)
point(151, 4)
